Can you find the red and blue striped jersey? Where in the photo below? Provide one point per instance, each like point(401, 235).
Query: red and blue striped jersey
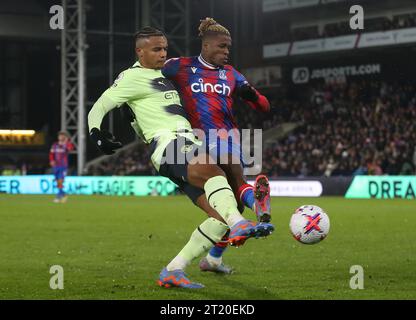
point(206, 91)
point(59, 154)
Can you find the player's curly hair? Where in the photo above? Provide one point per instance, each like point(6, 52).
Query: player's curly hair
point(209, 26)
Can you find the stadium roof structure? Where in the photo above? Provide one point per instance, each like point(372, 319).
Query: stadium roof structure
point(172, 16)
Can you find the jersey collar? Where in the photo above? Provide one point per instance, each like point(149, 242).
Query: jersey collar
point(137, 64)
point(206, 64)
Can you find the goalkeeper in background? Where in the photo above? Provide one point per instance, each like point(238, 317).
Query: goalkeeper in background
point(160, 121)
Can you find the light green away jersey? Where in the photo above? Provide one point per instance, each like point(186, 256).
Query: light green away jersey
point(154, 101)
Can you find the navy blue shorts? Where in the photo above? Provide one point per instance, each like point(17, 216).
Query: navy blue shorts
point(222, 147)
point(178, 172)
point(59, 172)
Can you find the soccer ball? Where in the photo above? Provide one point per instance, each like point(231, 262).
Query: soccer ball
point(309, 224)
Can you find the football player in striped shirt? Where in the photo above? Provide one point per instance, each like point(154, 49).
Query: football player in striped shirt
point(58, 160)
point(207, 84)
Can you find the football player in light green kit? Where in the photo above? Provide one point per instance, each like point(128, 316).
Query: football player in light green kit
point(161, 122)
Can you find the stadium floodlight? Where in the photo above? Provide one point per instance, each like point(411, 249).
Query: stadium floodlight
point(9, 132)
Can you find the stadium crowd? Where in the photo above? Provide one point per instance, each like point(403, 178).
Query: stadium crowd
point(364, 127)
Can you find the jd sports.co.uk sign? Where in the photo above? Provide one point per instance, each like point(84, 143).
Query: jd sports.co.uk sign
point(302, 75)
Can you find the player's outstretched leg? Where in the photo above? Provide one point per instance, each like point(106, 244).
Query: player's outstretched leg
point(256, 197)
point(203, 238)
point(246, 195)
point(248, 229)
point(221, 197)
point(262, 199)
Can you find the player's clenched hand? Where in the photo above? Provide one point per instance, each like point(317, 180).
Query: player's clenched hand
point(247, 92)
point(105, 141)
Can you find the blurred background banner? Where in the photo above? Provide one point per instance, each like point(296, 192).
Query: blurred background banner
point(385, 187)
point(115, 186)
point(151, 185)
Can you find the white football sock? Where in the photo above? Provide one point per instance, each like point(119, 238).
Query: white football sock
point(178, 263)
point(214, 261)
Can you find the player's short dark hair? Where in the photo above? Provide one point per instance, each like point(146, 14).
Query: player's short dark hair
point(147, 32)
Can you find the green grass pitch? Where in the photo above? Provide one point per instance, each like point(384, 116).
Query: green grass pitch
point(115, 247)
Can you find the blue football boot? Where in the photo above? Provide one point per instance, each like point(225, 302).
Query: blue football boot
point(176, 278)
point(246, 229)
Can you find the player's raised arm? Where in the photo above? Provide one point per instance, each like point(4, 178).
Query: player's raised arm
point(250, 95)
